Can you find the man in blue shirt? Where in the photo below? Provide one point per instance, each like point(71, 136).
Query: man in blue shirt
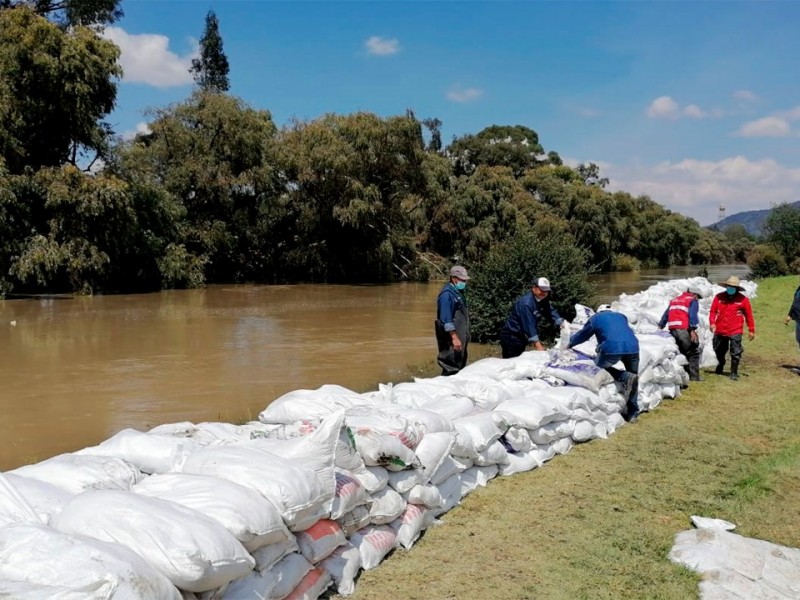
point(615, 342)
point(522, 325)
point(452, 323)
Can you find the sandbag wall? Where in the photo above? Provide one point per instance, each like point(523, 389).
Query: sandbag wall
point(327, 482)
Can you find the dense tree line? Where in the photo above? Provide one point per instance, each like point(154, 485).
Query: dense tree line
point(216, 192)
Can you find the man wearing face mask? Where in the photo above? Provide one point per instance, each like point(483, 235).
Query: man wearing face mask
point(522, 325)
point(452, 323)
point(729, 311)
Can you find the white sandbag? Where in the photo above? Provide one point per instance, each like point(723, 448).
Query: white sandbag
point(451, 407)
point(519, 463)
point(349, 494)
point(147, 452)
point(75, 473)
point(344, 565)
point(449, 467)
point(402, 481)
point(531, 412)
point(46, 499)
point(296, 490)
point(491, 368)
point(372, 478)
point(494, 454)
point(582, 373)
point(414, 520)
point(433, 422)
point(431, 451)
point(483, 391)
point(320, 540)
point(182, 429)
point(273, 584)
point(356, 519)
point(315, 451)
point(450, 489)
point(427, 495)
point(14, 508)
point(316, 581)
point(346, 456)
point(268, 556)
point(246, 514)
point(584, 431)
point(518, 439)
point(374, 542)
point(563, 446)
point(475, 477)
point(306, 404)
point(68, 567)
point(552, 432)
point(376, 421)
point(193, 551)
point(544, 452)
point(479, 430)
point(386, 506)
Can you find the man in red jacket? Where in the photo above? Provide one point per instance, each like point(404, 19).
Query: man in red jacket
point(729, 310)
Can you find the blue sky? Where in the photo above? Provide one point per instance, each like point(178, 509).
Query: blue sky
point(693, 104)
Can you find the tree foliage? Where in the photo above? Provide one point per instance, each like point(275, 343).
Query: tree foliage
point(766, 260)
point(511, 266)
point(55, 86)
point(71, 13)
point(516, 147)
point(211, 69)
point(782, 230)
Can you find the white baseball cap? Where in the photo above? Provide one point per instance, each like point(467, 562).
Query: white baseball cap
point(542, 283)
point(603, 308)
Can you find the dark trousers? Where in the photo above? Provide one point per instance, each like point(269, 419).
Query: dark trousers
point(690, 349)
point(511, 344)
point(722, 343)
point(631, 364)
point(450, 360)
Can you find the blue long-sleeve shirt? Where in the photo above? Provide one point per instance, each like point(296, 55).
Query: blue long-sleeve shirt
point(524, 317)
point(449, 301)
point(614, 335)
point(694, 319)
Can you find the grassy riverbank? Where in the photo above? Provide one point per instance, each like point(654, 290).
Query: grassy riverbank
point(599, 522)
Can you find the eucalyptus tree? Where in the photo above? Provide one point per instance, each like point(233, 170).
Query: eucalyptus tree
point(70, 13)
point(782, 230)
point(211, 69)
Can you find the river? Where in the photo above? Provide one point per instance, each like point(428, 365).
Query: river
point(76, 370)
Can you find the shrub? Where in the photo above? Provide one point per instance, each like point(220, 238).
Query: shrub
point(508, 271)
point(626, 263)
point(766, 261)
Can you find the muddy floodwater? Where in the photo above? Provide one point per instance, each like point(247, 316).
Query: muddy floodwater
point(73, 371)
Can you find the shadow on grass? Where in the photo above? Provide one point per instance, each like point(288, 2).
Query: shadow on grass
point(793, 368)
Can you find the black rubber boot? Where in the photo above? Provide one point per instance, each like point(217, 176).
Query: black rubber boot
point(734, 369)
point(719, 368)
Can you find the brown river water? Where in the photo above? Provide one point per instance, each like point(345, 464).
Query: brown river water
point(74, 371)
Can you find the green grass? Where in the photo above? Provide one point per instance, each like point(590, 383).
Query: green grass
point(599, 522)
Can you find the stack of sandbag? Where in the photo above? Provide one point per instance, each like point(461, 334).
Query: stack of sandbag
point(326, 483)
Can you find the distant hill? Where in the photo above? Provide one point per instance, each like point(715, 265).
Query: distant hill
point(753, 220)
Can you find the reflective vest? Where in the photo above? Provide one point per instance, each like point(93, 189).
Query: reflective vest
point(678, 312)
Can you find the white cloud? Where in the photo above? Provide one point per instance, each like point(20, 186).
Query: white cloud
point(589, 113)
point(146, 58)
point(696, 188)
point(459, 94)
point(141, 128)
point(663, 107)
point(379, 46)
point(693, 111)
point(790, 115)
point(666, 107)
point(766, 127)
point(745, 96)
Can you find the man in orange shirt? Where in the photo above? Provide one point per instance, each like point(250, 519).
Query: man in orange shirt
point(729, 311)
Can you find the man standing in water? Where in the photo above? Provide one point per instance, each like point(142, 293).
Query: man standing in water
point(522, 325)
point(729, 311)
point(681, 317)
point(452, 323)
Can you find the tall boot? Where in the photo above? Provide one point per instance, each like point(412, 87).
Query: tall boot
point(734, 368)
point(694, 369)
point(720, 366)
